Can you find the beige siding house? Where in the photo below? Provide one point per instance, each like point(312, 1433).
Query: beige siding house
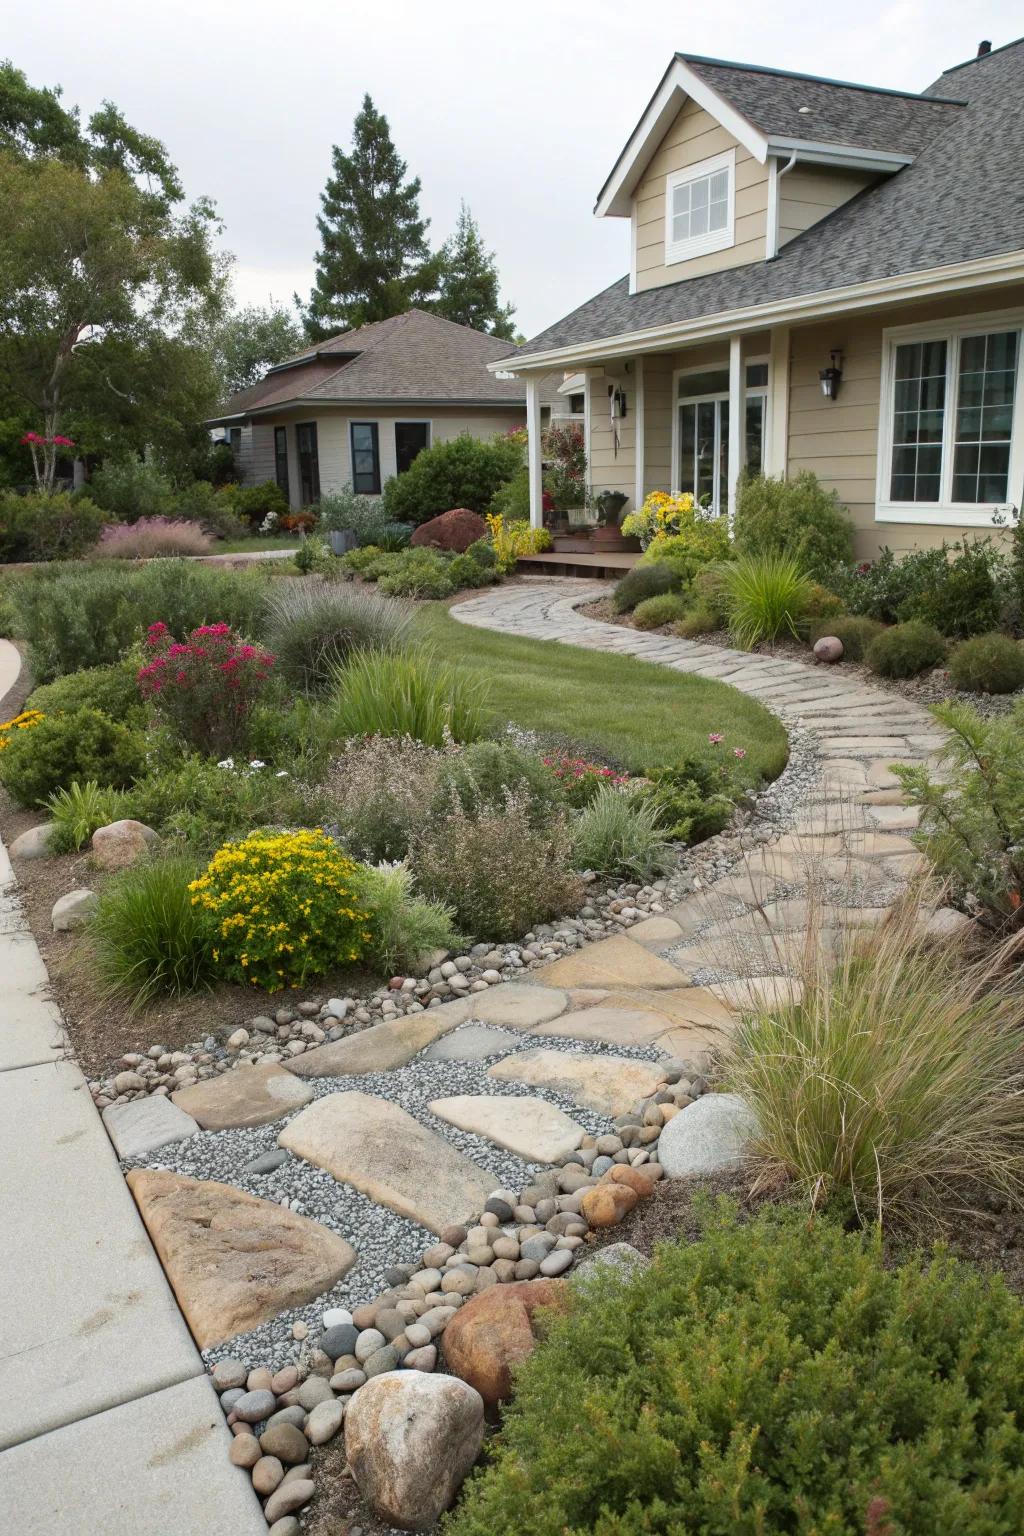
point(357, 408)
point(823, 276)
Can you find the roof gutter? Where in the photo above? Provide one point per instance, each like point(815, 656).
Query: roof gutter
point(389, 404)
point(981, 272)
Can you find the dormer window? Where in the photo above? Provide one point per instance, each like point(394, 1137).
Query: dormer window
point(700, 208)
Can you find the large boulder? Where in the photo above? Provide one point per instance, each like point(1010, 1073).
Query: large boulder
point(455, 530)
point(122, 843)
point(410, 1439)
point(72, 910)
point(709, 1136)
point(33, 844)
point(494, 1331)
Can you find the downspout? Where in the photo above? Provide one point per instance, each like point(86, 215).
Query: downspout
point(772, 233)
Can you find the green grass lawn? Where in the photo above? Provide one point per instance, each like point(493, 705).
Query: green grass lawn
point(634, 712)
point(252, 544)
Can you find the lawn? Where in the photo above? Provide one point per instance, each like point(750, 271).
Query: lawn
point(254, 544)
point(634, 712)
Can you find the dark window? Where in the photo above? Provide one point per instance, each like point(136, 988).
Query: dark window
point(577, 404)
point(281, 458)
point(309, 464)
point(365, 458)
point(411, 437)
point(235, 439)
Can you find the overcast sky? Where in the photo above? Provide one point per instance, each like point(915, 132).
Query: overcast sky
point(519, 109)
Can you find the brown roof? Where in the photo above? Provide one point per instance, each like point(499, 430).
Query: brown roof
point(416, 356)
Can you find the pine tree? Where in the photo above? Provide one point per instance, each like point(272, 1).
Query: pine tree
point(470, 287)
point(374, 260)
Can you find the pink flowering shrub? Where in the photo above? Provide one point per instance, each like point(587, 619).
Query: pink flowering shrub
point(152, 538)
point(206, 687)
point(579, 780)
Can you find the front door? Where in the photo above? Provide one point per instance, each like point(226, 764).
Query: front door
point(703, 428)
point(411, 437)
point(309, 462)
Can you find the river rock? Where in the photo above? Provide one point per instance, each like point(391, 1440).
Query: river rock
point(494, 1331)
point(710, 1135)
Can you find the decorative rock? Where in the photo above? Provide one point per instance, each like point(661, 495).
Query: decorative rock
point(324, 1422)
point(71, 911)
point(244, 1451)
point(349, 1380)
point(336, 1317)
point(607, 1204)
point(246, 1096)
point(267, 1473)
point(710, 1136)
point(339, 1340)
point(286, 1442)
point(453, 1234)
point(437, 1319)
point(422, 1359)
point(228, 1373)
point(284, 1380)
point(288, 1497)
point(140, 1126)
point(494, 1331)
point(556, 1263)
point(268, 1161)
point(367, 1342)
point(615, 1256)
point(122, 842)
point(234, 1261)
point(382, 1360)
point(254, 1407)
point(33, 844)
point(289, 1526)
point(829, 648)
point(411, 1438)
point(631, 1178)
point(314, 1390)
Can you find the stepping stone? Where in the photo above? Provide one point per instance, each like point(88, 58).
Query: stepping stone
point(383, 1046)
point(235, 1261)
point(473, 1042)
point(142, 1125)
point(532, 1128)
point(244, 1096)
point(656, 930)
point(383, 1152)
point(902, 818)
point(609, 1084)
point(754, 993)
point(697, 1008)
point(517, 1005)
point(874, 845)
point(882, 776)
point(708, 1136)
point(614, 962)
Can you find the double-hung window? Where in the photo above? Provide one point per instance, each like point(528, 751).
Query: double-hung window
point(365, 446)
point(700, 208)
point(950, 406)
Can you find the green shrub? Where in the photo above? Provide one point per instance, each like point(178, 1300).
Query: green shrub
point(410, 694)
point(202, 804)
point(987, 664)
point(74, 617)
point(512, 500)
point(972, 817)
point(905, 650)
point(893, 1086)
point(379, 794)
point(81, 744)
point(797, 518)
point(312, 629)
point(253, 504)
point(345, 511)
point(463, 472)
point(501, 873)
point(76, 812)
point(200, 503)
point(112, 689)
point(620, 834)
point(395, 537)
point(644, 581)
point(964, 596)
point(359, 562)
point(766, 596)
point(54, 527)
point(465, 571)
point(145, 939)
point(404, 928)
point(424, 573)
point(700, 542)
point(699, 619)
point(772, 1376)
point(131, 488)
point(655, 612)
point(314, 556)
point(483, 553)
point(693, 800)
point(854, 630)
point(822, 604)
point(483, 772)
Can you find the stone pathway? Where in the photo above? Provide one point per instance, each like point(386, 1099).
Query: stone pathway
point(107, 1420)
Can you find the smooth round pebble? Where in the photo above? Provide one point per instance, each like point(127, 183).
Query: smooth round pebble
point(289, 1497)
point(348, 1381)
point(417, 1335)
point(286, 1442)
point(556, 1263)
point(324, 1422)
point(244, 1451)
point(267, 1474)
point(367, 1342)
point(315, 1389)
point(229, 1373)
point(336, 1317)
point(252, 1407)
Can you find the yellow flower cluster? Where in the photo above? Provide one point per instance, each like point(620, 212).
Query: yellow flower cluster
point(284, 908)
point(660, 516)
point(515, 538)
point(23, 722)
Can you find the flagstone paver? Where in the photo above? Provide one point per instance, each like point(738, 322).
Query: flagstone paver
point(609, 1084)
point(139, 1126)
point(473, 1042)
point(382, 1046)
point(618, 962)
point(532, 1128)
point(518, 1005)
point(246, 1095)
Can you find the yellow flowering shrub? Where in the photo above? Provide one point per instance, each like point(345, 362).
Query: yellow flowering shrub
point(513, 538)
point(661, 515)
point(284, 907)
point(23, 722)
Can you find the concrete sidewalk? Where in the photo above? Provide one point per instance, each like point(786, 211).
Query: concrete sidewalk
point(107, 1420)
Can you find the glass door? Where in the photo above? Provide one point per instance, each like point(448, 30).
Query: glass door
point(703, 428)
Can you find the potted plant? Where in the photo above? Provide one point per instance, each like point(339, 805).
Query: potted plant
point(609, 509)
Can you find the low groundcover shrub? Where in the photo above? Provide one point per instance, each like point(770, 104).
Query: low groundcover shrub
point(769, 1378)
point(905, 650)
point(987, 664)
point(82, 744)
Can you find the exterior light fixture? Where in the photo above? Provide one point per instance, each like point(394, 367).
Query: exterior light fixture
point(832, 376)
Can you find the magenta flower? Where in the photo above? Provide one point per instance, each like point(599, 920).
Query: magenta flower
point(739, 752)
point(715, 738)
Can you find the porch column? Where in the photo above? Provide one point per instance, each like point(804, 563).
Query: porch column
point(638, 432)
point(737, 422)
point(533, 453)
point(777, 445)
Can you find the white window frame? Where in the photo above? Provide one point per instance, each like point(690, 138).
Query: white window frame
point(714, 240)
point(764, 390)
point(947, 513)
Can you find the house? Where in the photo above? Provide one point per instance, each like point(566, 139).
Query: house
point(357, 408)
point(822, 276)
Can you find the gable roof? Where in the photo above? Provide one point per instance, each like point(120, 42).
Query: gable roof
point(416, 356)
point(961, 199)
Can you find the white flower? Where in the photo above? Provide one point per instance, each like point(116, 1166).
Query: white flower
point(256, 763)
point(228, 762)
point(282, 773)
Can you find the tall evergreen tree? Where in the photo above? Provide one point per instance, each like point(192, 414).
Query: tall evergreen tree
point(374, 260)
point(470, 287)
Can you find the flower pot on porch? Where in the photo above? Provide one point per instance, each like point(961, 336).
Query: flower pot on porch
point(342, 540)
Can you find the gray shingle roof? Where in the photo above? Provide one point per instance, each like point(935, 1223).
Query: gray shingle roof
point(416, 356)
point(962, 198)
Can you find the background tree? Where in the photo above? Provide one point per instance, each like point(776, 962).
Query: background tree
point(109, 285)
point(250, 340)
point(374, 260)
point(469, 290)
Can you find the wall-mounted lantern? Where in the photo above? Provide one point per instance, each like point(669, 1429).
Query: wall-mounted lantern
point(832, 376)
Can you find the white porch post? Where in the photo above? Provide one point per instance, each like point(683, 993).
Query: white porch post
point(777, 455)
point(638, 432)
point(737, 422)
point(533, 453)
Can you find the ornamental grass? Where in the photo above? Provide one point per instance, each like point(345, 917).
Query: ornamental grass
point(146, 938)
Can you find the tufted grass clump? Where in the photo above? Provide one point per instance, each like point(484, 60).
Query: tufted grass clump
point(621, 833)
point(766, 596)
point(146, 940)
point(413, 694)
point(77, 811)
point(405, 927)
point(315, 627)
point(773, 1376)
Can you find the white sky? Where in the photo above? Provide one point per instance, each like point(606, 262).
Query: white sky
point(520, 109)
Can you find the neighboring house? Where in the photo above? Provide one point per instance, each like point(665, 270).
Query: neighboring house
point(357, 408)
point(839, 269)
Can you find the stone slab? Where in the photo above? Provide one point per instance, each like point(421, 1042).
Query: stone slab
point(614, 962)
point(473, 1042)
point(755, 993)
point(234, 1260)
point(139, 1126)
point(87, 1319)
point(656, 931)
point(632, 1026)
point(382, 1046)
point(609, 1084)
point(532, 1128)
point(518, 1005)
point(154, 1467)
point(31, 1030)
point(379, 1149)
point(243, 1096)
